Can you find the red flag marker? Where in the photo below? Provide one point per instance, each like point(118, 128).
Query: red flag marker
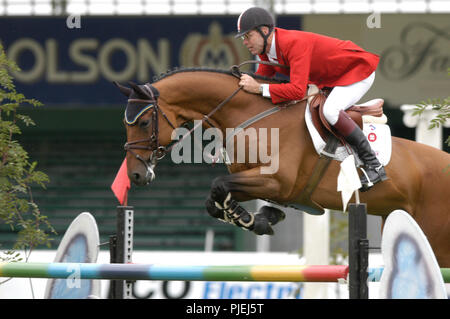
point(121, 184)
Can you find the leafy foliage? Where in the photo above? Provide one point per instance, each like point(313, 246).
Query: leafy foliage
point(17, 172)
point(443, 112)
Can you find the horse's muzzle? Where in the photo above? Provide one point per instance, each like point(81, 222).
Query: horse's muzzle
point(143, 178)
point(144, 174)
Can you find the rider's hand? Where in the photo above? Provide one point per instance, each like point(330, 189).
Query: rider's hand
point(249, 84)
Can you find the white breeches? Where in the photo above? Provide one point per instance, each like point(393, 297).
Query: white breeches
point(343, 97)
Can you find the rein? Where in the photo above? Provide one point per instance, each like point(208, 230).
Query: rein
point(206, 117)
point(235, 69)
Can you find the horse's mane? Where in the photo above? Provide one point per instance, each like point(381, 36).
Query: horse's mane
point(205, 69)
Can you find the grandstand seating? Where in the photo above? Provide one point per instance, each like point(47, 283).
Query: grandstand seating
point(169, 215)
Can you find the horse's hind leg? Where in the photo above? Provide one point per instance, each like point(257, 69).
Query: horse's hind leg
point(223, 203)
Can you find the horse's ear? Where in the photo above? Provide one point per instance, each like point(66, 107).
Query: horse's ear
point(125, 91)
point(138, 90)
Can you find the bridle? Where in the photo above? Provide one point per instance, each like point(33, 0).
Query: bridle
point(158, 151)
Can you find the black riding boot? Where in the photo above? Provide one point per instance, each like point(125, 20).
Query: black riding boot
point(373, 171)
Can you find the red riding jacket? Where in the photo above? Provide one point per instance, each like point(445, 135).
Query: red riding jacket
point(318, 59)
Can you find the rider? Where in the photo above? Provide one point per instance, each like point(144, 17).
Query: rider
point(317, 59)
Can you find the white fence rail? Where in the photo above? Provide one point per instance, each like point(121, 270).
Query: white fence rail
point(220, 7)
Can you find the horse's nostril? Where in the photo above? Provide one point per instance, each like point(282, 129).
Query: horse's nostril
point(136, 176)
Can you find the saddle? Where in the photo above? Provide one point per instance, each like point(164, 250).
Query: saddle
point(371, 111)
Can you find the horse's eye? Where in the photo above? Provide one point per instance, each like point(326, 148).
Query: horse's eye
point(144, 123)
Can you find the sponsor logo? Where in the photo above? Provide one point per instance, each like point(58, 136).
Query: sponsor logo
point(213, 50)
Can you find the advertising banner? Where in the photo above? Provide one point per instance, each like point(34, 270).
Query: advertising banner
point(72, 61)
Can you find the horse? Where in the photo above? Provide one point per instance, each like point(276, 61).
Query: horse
point(417, 181)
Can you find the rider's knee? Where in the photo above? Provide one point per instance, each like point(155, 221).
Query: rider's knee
point(331, 113)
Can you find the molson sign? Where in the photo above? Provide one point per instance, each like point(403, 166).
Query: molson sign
point(61, 64)
point(47, 64)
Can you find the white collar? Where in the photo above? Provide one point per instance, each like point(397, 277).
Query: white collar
point(272, 55)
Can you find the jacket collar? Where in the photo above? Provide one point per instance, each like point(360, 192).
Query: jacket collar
point(277, 47)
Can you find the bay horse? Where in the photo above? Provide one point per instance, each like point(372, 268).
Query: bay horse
point(417, 180)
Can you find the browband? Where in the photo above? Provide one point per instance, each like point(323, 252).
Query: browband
point(133, 112)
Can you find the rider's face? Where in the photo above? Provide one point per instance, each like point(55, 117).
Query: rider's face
point(253, 41)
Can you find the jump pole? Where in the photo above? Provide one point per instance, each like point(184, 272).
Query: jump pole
point(358, 250)
point(128, 272)
point(121, 251)
point(120, 272)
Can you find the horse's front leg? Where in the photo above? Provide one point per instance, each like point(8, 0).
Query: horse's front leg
point(227, 190)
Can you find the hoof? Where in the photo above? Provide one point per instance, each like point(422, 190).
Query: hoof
point(212, 209)
point(272, 214)
point(261, 225)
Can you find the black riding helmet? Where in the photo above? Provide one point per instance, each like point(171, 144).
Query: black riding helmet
point(255, 18)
